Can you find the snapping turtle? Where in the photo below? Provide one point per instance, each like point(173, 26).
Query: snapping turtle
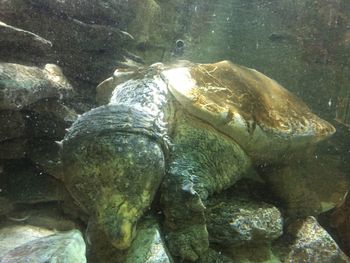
point(190, 129)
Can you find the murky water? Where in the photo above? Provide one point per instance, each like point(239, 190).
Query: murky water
point(195, 161)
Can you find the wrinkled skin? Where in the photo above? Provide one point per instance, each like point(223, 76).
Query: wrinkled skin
point(202, 162)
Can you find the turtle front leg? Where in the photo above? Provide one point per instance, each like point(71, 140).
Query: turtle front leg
point(187, 235)
point(202, 162)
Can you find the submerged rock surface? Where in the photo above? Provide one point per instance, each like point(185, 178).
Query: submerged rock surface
point(22, 85)
point(149, 245)
point(242, 222)
point(311, 243)
point(34, 244)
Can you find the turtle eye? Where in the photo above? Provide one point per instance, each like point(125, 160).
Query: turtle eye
point(179, 47)
point(180, 43)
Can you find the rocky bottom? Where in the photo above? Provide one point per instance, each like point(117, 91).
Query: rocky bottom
point(242, 228)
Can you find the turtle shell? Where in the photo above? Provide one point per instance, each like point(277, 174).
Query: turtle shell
point(258, 113)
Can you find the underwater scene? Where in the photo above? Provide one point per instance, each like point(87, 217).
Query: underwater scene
point(174, 131)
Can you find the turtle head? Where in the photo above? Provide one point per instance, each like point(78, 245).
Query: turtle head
point(118, 220)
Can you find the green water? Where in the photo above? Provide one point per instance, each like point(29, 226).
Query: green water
point(302, 44)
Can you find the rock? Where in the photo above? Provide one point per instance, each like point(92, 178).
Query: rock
point(212, 256)
point(22, 131)
point(104, 89)
point(91, 11)
point(31, 133)
point(26, 133)
point(84, 46)
point(311, 243)
point(40, 245)
point(6, 205)
point(340, 223)
point(56, 108)
point(253, 254)
point(22, 182)
point(44, 215)
point(14, 40)
point(238, 222)
point(23, 85)
point(13, 149)
point(45, 153)
point(310, 186)
point(46, 124)
point(148, 245)
point(21, 235)
point(12, 125)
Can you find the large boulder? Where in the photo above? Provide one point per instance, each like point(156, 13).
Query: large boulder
point(22, 85)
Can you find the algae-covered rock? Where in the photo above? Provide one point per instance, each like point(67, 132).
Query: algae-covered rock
point(149, 245)
point(213, 256)
point(311, 243)
point(35, 244)
point(235, 222)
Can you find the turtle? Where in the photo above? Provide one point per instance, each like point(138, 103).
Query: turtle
point(186, 130)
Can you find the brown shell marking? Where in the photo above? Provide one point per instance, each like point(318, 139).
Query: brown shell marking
point(227, 88)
